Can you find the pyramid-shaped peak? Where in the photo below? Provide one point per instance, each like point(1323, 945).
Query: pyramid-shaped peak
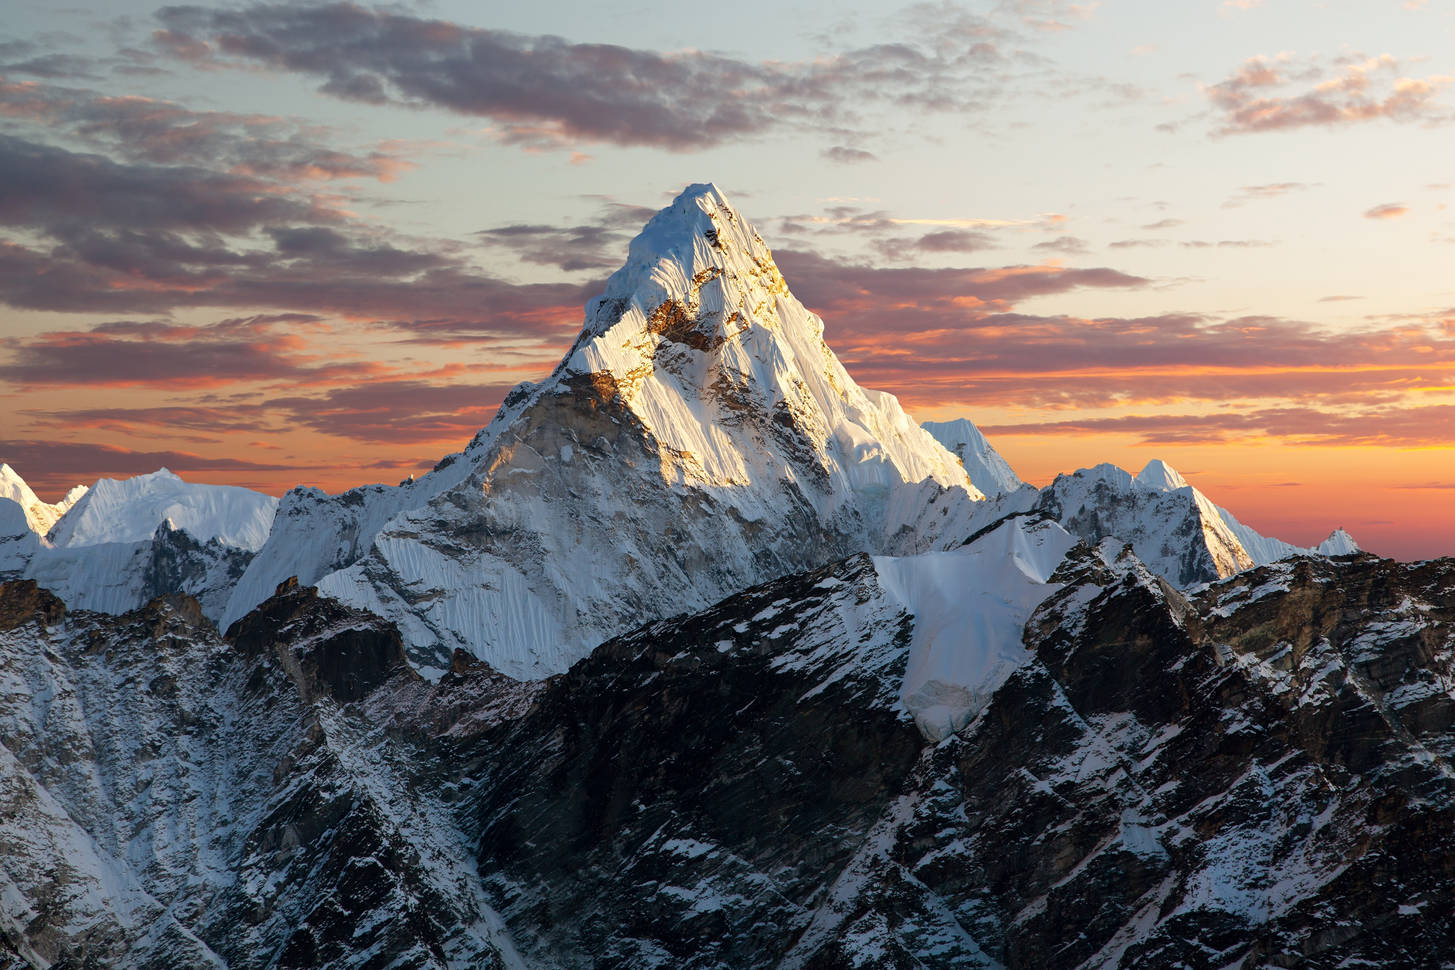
point(699, 228)
point(1339, 543)
point(699, 233)
point(699, 274)
point(1160, 477)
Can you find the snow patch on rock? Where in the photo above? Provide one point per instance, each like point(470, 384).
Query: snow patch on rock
point(970, 608)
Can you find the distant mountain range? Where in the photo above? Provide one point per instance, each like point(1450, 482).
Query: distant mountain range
point(700, 654)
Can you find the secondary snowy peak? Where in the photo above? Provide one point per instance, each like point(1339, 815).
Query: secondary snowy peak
point(1161, 477)
point(40, 515)
point(130, 510)
point(699, 438)
point(1339, 543)
point(989, 472)
point(1178, 534)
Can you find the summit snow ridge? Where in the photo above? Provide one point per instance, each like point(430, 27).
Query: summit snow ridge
point(130, 510)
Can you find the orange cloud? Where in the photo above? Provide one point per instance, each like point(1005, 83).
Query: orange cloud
point(1389, 210)
point(1280, 94)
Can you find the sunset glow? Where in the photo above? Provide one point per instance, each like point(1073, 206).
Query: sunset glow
point(277, 244)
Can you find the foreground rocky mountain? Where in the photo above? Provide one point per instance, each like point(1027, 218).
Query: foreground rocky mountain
point(1258, 775)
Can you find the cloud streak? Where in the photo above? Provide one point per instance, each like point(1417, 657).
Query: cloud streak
point(1398, 426)
point(141, 129)
point(1279, 94)
point(545, 87)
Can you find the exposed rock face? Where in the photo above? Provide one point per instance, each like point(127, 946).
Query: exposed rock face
point(1259, 775)
point(170, 799)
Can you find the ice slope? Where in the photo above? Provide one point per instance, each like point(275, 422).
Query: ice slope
point(130, 510)
point(990, 472)
point(40, 515)
point(314, 533)
point(970, 608)
point(18, 541)
point(698, 438)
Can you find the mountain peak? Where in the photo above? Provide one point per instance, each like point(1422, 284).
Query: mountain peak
point(698, 273)
point(1339, 543)
point(40, 515)
point(129, 510)
point(988, 470)
point(699, 437)
point(699, 337)
point(1160, 477)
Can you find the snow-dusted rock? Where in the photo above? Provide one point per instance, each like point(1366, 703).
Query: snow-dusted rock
point(116, 577)
point(1153, 779)
point(1174, 529)
point(1177, 534)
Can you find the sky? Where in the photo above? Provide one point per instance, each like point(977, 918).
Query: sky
point(280, 244)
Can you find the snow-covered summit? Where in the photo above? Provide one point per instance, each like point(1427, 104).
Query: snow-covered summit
point(699, 437)
point(990, 472)
point(711, 352)
point(130, 510)
point(1160, 477)
point(1339, 543)
point(1171, 532)
point(40, 515)
point(1174, 524)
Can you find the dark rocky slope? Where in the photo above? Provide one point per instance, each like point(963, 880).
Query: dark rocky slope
point(1256, 776)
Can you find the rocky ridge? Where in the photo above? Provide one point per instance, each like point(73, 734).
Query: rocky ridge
point(1256, 775)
